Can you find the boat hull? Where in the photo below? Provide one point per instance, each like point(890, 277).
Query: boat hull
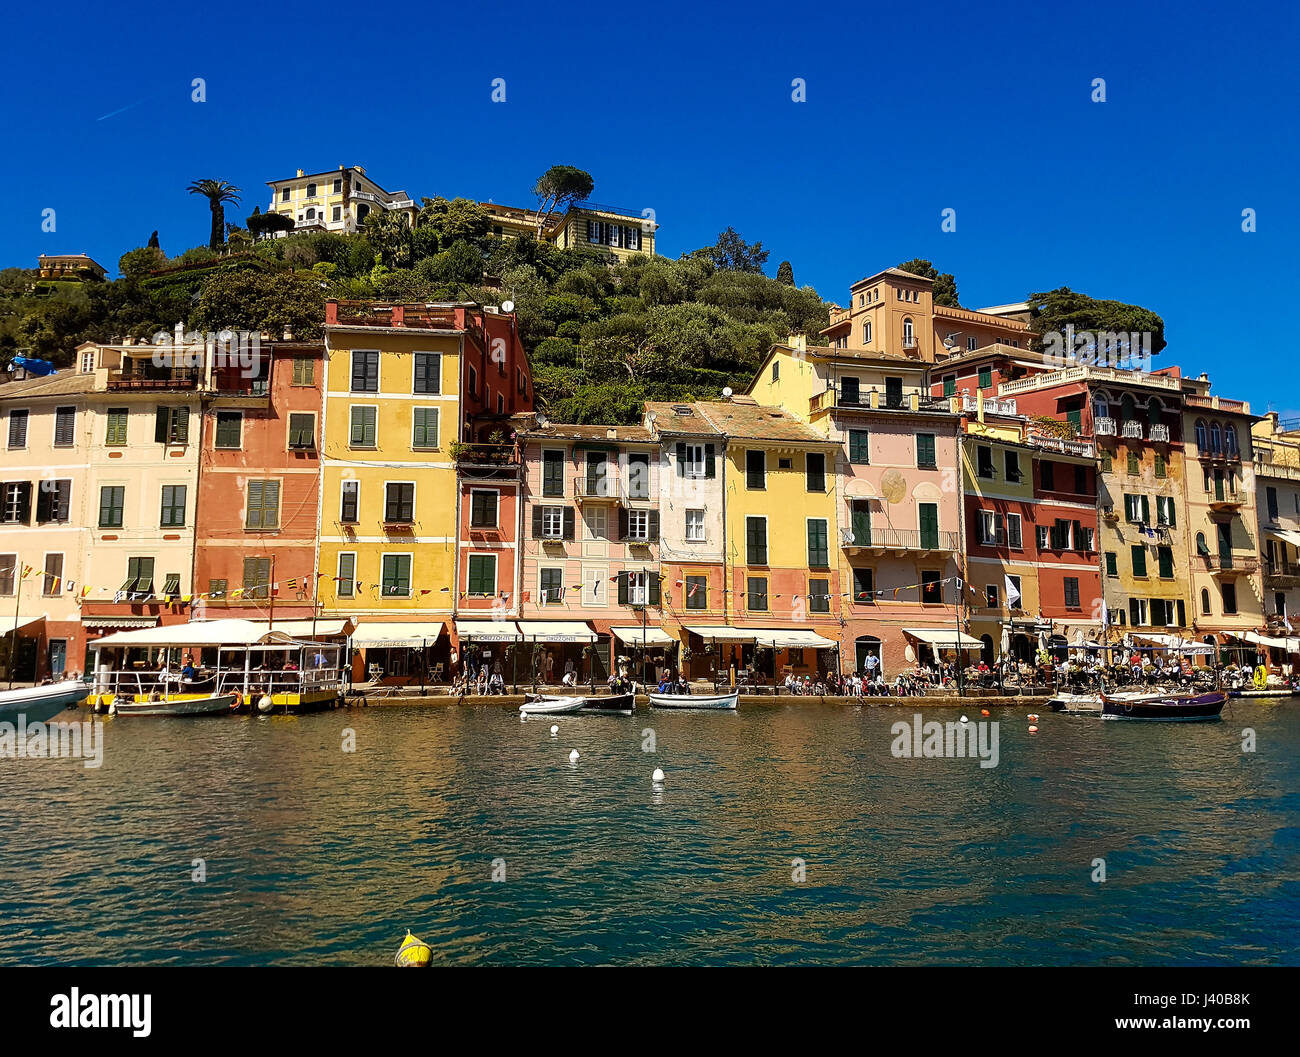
point(551, 706)
point(1170, 708)
point(36, 704)
point(710, 701)
point(199, 706)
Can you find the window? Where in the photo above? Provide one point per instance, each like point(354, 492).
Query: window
point(362, 423)
point(338, 186)
point(1071, 592)
point(263, 505)
point(54, 501)
point(1047, 475)
point(17, 429)
point(819, 596)
point(1080, 480)
point(697, 592)
point(1014, 538)
point(111, 500)
point(8, 573)
point(931, 587)
point(863, 585)
point(1041, 535)
point(1205, 602)
point(755, 469)
point(428, 372)
point(139, 577)
point(639, 525)
point(860, 522)
point(949, 385)
point(173, 506)
point(115, 435)
point(695, 526)
point(1014, 596)
point(1160, 465)
point(1216, 438)
point(756, 593)
point(695, 460)
point(284, 195)
point(483, 508)
point(819, 555)
point(866, 333)
point(553, 522)
point(991, 596)
point(1229, 599)
point(1137, 509)
point(638, 475)
point(925, 459)
point(172, 425)
point(350, 503)
point(984, 461)
point(53, 578)
point(1060, 534)
point(229, 427)
point(893, 392)
point(65, 427)
point(1270, 494)
point(553, 473)
point(365, 372)
point(1139, 553)
point(1112, 563)
point(850, 392)
point(985, 373)
point(776, 370)
point(304, 371)
point(399, 502)
point(1202, 436)
point(345, 583)
point(1011, 465)
point(1230, 439)
point(599, 478)
point(1107, 464)
point(756, 540)
point(311, 190)
point(171, 585)
point(471, 382)
point(928, 518)
point(1137, 612)
point(991, 531)
point(858, 452)
point(909, 335)
point(638, 589)
point(424, 427)
point(395, 575)
point(551, 583)
point(1165, 511)
point(1165, 560)
point(302, 431)
point(815, 471)
point(218, 588)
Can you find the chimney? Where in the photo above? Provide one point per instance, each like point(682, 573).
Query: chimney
point(611, 434)
point(331, 311)
point(399, 316)
point(288, 334)
point(300, 172)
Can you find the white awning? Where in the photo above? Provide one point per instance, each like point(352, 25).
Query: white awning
point(229, 632)
point(722, 633)
point(1291, 644)
point(1286, 535)
point(944, 638)
point(7, 624)
point(487, 630)
point(798, 639)
point(322, 629)
point(119, 622)
point(653, 636)
point(1176, 644)
point(556, 631)
point(385, 633)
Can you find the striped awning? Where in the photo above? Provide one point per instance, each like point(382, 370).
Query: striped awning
point(634, 636)
point(385, 633)
point(119, 622)
point(944, 638)
point(556, 631)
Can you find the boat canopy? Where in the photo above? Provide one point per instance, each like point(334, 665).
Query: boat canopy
point(944, 638)
point(225, 632)
point(384, 633)
point(556, 631)
point(654, 636)
point(487, 630)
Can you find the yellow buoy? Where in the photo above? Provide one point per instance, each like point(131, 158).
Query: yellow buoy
point(414, 953)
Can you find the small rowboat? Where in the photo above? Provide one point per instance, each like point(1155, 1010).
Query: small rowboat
point(549, 706)
point(198, 706)
point(712, 701)
point(609, 704)
point(1168, 707)
point(36, 704)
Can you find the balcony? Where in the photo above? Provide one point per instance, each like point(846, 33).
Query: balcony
point(1131, 431)
point(874, 400)
point(180, 379)
point(1159, 435)
point(1063, 445)
point(909, 343)
point(1230, 563)
point(1281, 575)
point(608, 488)
point(992, 405)
point(886, 540)
point(1089, 372)
point(1227, 499)
point(485, 461)
point(1218, 454)
point(1105, 427)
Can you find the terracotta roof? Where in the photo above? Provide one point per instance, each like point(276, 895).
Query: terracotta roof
point(63, 384)
point(569, 431)
point(745, 420)
point(670, 420)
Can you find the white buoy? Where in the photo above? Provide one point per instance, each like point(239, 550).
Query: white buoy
point(264, 703)
point(964, 719)
point(555, 729)
point(573, 756)
point(658, 776)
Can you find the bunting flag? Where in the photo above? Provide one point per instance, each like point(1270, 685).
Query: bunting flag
point(27, 571)
point(291, 584)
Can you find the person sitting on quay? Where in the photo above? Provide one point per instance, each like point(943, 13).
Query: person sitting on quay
point(482, 681)
point(497, 684)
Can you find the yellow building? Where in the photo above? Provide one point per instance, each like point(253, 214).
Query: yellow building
point(338, 200)
point(624, 233)
point(1276, 450)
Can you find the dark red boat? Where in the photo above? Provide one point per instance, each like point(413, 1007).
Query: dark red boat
point(1180, 707)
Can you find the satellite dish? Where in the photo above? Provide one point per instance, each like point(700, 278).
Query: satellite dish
point(726, 392)
point(507, 306)
point(542, 421)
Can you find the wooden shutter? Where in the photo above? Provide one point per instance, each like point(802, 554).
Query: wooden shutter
point(622, 589)
point(182, 432)
point(929, 526)
point(681, 459)
point(568, 523)
point(537, 522)
point(654, 525)
point(160, 421)
point(710, 468)
point(254, 519)
point(622, 523)
point(653, 578)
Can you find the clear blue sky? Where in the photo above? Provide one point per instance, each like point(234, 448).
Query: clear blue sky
point(686, 109)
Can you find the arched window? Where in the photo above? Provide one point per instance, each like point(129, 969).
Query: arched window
point(1126, 407)
point(1155, 411)
point(1230, 439)
point(311, 214)
point(909, 338)
point(363, 211)
point(1202, 436)
point(1205, 602)
point(1216, 438)
point(1101, 406)
point(1201, 547)
point(866, 333)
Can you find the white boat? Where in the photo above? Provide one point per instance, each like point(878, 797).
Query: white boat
point(548, 706)
point(1090, 703)
point(714, 701)
point(179, 706)
point(36, 704)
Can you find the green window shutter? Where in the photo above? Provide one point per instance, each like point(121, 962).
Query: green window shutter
point(425, 432)
point(819, 596)
point(1139, 560)
point(1146, 510)
point(117, 420)
point(161, 419)
point(818, 550)
point(925, 450)
point(653, 578)
point(622, 589)
point(861, 523)
point(858, 446)
point(986, 378)
point(950, 385)
point(756, 541)
point(1112, 563)
point(929, 515)
point(1075, 419)
point(1166, 558)
point(181, 426)
point(710, 462)
point(254, 517)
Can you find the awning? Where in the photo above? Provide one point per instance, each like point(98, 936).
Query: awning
point(119, 622)
point(1286, 535)
point(1176, 644)
point(944, 638)
point(487, 630)
point(723, 633)
point(8, 623)
point(322, 629)
point(798, 639)
point(230, 632)
point(384, 633)
point(653, 636)
point(1290, 644)
point(556, 631)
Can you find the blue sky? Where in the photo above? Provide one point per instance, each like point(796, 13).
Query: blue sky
point(686, 109)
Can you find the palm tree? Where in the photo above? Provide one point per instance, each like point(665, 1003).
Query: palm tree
point(216, 192)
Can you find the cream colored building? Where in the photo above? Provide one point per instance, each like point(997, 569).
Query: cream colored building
point(622, 232)
point(338, 200)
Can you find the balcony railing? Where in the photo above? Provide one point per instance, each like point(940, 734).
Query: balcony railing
point(1218, 453)
point(1228, 497)
point(1131, 431)
point(1234, 563)
point(1281, 574)
point(139, 380)
point(890, 539)
point(608, 486)
point(992, 405)
point(909, 343)
point(1160, 434)
point(466, 454)
point(1062, 444)
point(1084, 372)
point(1105, 427)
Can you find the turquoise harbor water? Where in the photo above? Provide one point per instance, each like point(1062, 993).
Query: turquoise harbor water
point(314, 856)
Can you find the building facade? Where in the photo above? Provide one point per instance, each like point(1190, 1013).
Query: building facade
point(336, 200)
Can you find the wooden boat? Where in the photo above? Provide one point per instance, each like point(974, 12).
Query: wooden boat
point(611, 704)
point(36, 704)
point(177, 706)
point(550, 706)
point(1091, 703)
point(1168, 707)
point(711, 701)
